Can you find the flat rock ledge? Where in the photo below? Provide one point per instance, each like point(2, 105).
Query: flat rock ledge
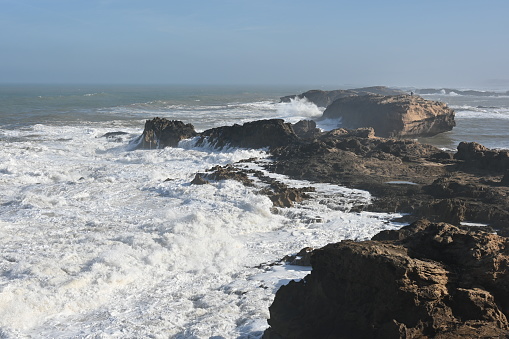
point(427, 280)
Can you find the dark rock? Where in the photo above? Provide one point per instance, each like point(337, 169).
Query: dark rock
point(306, 129)
point(229, 172)
point(476, 155)
point(325, 98)
point(303, 258)
point(199, 180)
point(426, 280)
point(255, 134)
point(160, 133)
point(113, 134)
point(282, 195)
point(393, 116)
point(505, 178)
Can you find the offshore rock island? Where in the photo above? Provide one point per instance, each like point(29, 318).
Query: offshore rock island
point(434, 278)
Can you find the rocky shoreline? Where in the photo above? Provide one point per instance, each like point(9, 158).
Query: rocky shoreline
point(434, 278)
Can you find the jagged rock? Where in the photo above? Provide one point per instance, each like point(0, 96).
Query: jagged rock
point(199, 180)
point(479, 156)
point(255, 134)
point(282, 195)
point(393, 116)
point(229, 172)
point(303, 258)
point(161, 132)
point(325, 98)
point(306, 129)
point(427, 280)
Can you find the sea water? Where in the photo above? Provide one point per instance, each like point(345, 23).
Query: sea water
point(100, 240)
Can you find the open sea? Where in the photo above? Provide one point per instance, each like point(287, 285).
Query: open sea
point(99, 240)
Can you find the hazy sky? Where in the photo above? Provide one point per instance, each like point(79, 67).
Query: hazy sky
point(421, 43)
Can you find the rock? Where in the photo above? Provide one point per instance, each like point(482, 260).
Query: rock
point(255, 134)
point(505, 178)
point(282, 195)
point(325, 98)
point(306, 129)
point(393, 116)
point(160, 133)
point(427, 280)
point(303, 258)
point(229, 172)
point(199, 180)
point(478, 156)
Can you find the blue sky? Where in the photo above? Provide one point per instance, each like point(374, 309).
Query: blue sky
point(395, 43)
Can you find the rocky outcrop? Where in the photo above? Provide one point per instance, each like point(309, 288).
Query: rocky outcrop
point(478, 156)
point(306, 129)
point(255, 134)
point(393, 116)
point(161, 132)
point(325, 98)
point(426, 280)
point(403, 176)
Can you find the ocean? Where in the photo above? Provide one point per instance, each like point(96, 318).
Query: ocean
point(100, 240)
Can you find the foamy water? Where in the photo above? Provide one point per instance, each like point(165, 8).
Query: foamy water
point(103, 241)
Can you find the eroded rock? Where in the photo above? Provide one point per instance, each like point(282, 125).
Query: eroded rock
point(426, 280)
point(392, 116)
point(161, 132)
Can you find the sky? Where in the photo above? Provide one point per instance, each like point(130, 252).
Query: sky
point(430, 43)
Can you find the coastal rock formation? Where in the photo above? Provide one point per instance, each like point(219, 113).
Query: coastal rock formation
point(403, 176)
point(325, 98)
point(427, 280)
point(306, 129)
point(478, 156)
point(392, 116)
point(161, 132)
point(254, 134)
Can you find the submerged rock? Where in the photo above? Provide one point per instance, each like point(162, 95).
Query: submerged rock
point(426, 280)
point(393, 116)
point(161, 132)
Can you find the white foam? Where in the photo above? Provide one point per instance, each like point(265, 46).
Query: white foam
point(298, 109)
point(96, 242)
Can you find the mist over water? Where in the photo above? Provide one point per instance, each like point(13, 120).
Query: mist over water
point(100, 240)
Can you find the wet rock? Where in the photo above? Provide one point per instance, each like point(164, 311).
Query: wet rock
point(426, 280)
point(199, 180)
point(161, 132)
point(282, 195)
point(393, 116)
point(229, 172)
point(255, 134)
point(303, 258)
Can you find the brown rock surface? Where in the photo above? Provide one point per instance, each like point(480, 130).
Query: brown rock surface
point(392, 116)
point(427, 280)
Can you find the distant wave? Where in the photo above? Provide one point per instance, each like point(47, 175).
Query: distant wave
point(458, 92)
point(480, 112)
